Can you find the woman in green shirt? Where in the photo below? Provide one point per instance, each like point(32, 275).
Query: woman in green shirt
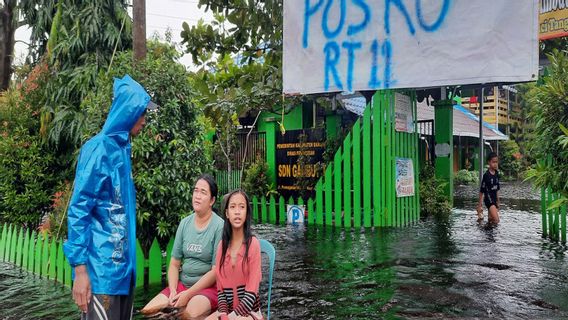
point(195, 245)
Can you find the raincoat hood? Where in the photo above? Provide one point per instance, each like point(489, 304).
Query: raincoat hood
point(129, 103)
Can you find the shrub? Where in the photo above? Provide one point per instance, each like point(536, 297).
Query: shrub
point(255, 180)
point(510, 159)
point(466, 177)
point(432, 199)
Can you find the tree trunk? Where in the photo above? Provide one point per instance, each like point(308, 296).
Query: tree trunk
point(139, 30)
point(7, 31)
point(246, 147)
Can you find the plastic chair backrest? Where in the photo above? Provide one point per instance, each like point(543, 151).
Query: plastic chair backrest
point(267, 248)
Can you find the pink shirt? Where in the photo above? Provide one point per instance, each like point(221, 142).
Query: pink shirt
point(238, 283)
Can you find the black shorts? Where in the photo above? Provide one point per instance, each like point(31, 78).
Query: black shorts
point(488, 204)
point(103, 307)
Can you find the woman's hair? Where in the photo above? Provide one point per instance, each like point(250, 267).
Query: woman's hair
point(211, 182)
point(228, 228)
point(491, 155)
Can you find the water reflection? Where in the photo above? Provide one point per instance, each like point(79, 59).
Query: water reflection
point(433, 269)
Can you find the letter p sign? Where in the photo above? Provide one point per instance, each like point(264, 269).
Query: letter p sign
point(296, 214)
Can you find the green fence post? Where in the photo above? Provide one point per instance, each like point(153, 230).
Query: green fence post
point(31, 252)
point(45, 256)
point(19, 248)
point(52, 260)
point(139, 266)
point(357, 174)
point(60, 263)
point(337, 187)
point(255, 209)
point(3, 241)
point(68, 274)
point(328, 195)
point(563, 220)
point(25, 250)
point(272, 215)
point(557, 215)
point(319, 203)
point(390, 183)
point(282, 211)
point(549, 213)
point(291, 201)
point(263, 209)
point(543, 211)
point(37, 262)
point(8, 251)
point(155, 264)
point(367, 167)
point(169, 249)
point(311, 213)
point(376, 164)
point(347, 181)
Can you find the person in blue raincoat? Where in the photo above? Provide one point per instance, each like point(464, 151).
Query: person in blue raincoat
point(102, 212)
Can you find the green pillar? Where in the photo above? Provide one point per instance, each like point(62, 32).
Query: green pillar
point(271, 132)
point(331, 125)
point(443, 122)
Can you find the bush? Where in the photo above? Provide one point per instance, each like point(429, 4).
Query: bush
point(170, 152)
point(26, 178)
point(466, 177)
point(432, 199)
point(550, 115)
point(255, 180)
point(510, 159)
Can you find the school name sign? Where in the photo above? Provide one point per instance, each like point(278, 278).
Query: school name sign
point(351, 45)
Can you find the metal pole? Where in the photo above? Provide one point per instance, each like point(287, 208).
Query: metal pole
point(481, 146)
point(508, 111)
point(497, 112)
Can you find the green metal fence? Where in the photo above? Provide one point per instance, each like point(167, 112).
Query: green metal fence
point(359, 186)
point(43, 256)
point(554, 220)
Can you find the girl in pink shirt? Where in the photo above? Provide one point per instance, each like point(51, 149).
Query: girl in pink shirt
point(237, 267)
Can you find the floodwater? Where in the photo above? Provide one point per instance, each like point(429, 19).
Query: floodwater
point(451, 269)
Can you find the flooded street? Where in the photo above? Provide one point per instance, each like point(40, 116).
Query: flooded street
point(433, 269)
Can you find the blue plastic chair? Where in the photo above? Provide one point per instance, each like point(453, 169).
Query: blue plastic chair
point(267, 248)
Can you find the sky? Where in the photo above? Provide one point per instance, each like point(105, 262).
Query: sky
point(160, 15)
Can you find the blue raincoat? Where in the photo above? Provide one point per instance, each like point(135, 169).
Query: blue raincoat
point(102, 211)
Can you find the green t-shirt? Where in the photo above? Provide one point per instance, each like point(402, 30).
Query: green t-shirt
point(196, 248)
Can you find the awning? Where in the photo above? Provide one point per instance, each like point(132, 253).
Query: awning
point(466, 124)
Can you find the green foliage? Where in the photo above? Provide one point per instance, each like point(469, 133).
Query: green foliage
point(255, 180)
point(26, 181)
point(85, 28)
point(432, 199)
point(466, 177)
point(510, 159)
point(550, 114)
point(170, 153)
point(82, 46)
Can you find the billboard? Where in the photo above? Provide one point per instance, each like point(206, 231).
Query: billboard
point(354, 45)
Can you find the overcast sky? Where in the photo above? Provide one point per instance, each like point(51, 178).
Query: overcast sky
point(160, 15)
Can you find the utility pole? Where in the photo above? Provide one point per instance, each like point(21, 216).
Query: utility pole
point(139, 29)
point(481, 143)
